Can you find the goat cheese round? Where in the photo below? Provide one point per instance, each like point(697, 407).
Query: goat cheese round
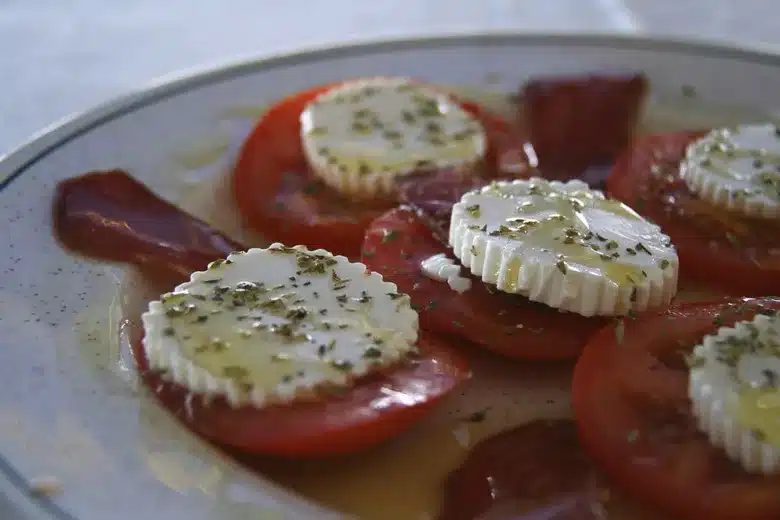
point(277, 324)
point(564, 245)
point(362, 135)
point(734, 388)
point(737, 169)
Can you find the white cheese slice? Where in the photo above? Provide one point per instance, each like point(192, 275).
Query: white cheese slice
point(734, 388)
point(278, 324)
point(737, 169)
point(564, 245)
point(362, 135)
point(443, 269)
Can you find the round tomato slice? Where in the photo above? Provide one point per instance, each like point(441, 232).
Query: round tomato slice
point(378, 408)
point(280, 198)
point(398, 242)
point(738, 255)
point(631, 405)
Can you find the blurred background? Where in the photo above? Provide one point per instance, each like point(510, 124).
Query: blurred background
point(63, 56)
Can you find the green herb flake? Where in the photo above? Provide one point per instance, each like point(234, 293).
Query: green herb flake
point(641, 248)
point(372, 353)
point(235, 372)
point(478, 416)
point(694, 361)
point(389, 235)
point(473, 210)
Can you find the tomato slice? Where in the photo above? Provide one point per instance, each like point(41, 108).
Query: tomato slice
point(399, 241)
point(378, 408)
point(736, 254)
point(280, 198)
point(576, 123)
point(633, 413)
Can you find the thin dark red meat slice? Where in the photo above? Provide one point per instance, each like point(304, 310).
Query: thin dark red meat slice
point(537, 471)
point(581, 122)
point(433, 195)
point(108, 215)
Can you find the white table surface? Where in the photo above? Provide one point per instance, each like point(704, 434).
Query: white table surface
point(58, 57)
point(63, 56)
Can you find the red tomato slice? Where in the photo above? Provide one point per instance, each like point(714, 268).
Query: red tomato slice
point(280, 198)
point(399, 241)
point(631, 406)
point(736, 254)
point(579, 122)
point(378, 408)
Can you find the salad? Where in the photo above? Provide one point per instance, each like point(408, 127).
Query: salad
point(420, 245)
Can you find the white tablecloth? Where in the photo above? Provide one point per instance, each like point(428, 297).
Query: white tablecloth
point(63, 56)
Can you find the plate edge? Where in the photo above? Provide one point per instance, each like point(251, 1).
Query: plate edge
point(46, 140)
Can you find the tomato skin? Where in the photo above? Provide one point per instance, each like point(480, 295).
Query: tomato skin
point(279, 197)
point(710, 253)
point(633, 414)
point(396, 244)
point(375, 410)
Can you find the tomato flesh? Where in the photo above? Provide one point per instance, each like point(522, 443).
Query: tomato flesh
point(279, 197)
point(398, 242)
point(378, 408)
point(631, 406)
point(735, 254)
